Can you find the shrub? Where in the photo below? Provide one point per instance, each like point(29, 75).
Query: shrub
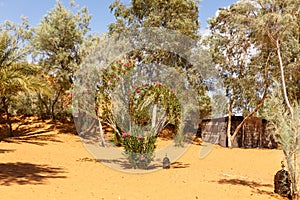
point(139, 147)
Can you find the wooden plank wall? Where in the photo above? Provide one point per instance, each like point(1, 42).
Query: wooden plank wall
point(253, 134)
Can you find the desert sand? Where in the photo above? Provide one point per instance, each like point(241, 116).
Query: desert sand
point(51, 162)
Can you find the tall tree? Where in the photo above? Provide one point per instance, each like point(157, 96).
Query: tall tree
point(272, 27)
point(281, 25)
point(246, 82)
point(60, 46)
point(180, 16)
point(16, 75)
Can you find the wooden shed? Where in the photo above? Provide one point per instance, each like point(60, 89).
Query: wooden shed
point(253, 134)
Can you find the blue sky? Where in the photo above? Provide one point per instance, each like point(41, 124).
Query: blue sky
point(35, 10)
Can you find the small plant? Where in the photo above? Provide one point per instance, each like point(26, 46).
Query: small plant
point(139, 147)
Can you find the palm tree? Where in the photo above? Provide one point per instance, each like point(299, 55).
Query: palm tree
point(15, 75)
point(14, 79)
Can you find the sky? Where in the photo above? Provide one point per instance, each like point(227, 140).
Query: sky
point(34, 10)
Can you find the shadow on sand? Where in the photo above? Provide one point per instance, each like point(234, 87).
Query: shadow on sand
point(255, 186)
point(27, 173)
point(35, 131)
point(37, 138)
point(7, 150)
point(178, 165)
point(123, 163)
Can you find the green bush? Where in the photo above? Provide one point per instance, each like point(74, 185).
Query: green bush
point(139, 147)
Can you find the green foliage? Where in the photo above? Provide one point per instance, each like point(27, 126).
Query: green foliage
point(109, 79)
point(280, 119)
point(60, 44)
point(16, 75)
point(246, 81)
point(287, 129)
point(232, 51)
point(145, 95)
point(59, 38)
point(177, 15)
point(281, 31)
point(281, 23)
point(180, 15)
point(14, 42)
point(139, 147)
point(245, 41)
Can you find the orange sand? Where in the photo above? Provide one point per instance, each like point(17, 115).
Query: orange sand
point(55, 165)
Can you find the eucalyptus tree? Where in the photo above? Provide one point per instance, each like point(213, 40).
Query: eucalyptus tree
point(60, 46)
point(246, 82)
point(278, 25)
point(179, 15)
point(176, 15)
point(272, 27)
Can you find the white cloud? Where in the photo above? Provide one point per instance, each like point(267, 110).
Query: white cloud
point(204, 32)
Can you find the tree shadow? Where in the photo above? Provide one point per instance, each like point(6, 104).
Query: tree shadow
point(29, 131)
point(91, 138)
point(86, 159)
point(7, 150)
point(252, 184)
point(66, 127)
point(36, 126)
point(35, 138)
point(255, 186)
point(178, 165)
point(121, 163)
point(24, 125)
point(27, 173)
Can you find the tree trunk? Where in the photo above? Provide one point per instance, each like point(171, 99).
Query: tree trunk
point(293, 149)
point(154, 113)
point(53, 105)
point(236, 131)
point(283, 80)
point(43, 113)
point(101, 134)
point(5, 106)
point(229, 124)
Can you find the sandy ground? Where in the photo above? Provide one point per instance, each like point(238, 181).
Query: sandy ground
point(50, 163)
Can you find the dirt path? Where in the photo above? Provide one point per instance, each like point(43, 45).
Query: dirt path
point(50, 165)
